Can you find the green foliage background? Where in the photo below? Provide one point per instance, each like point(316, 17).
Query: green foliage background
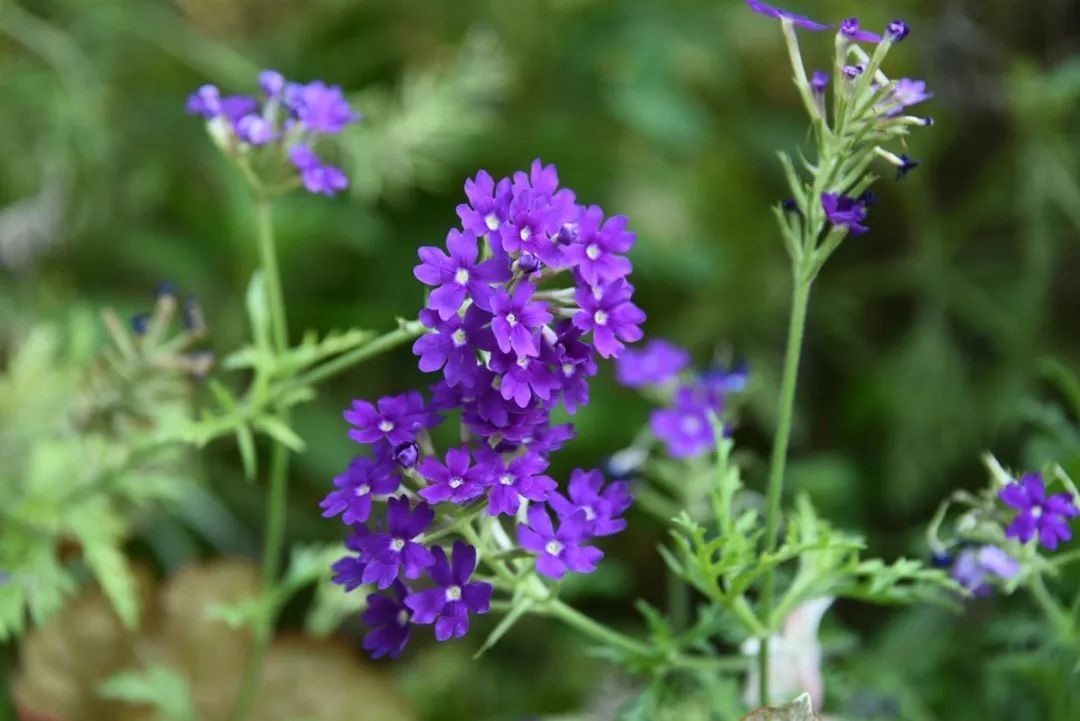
point(926, 341)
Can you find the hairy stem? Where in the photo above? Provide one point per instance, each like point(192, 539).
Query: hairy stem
point(799, 301)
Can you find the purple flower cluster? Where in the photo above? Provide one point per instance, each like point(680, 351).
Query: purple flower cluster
point(290, 116)
point(975, 568)
point(524, 296)
point(685, 423)
point(1039, 515)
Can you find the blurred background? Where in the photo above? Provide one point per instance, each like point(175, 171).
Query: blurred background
point(929, 339)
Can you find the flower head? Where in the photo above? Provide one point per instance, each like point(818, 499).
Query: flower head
point(601, 506)
point(521, 478)
point(319, 107)
point(365, 478)
point(395, 419)
point(518, 319)
point(897, 30)
point(449, 603)
point(974, 568)
point(457, 481)
point(1042, 515)
point(317, 176)
point(685, 427)
point(385, 553)
point(459, 275)
point(609, 314)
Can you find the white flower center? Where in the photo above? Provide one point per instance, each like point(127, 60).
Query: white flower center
point(386, 425)
point(593, 251)
point(568, 369)
point(458, 337)
point(402, 617)
point(362, 490)
point(461, 277)
point(553, 547)
point(690, 425)
point(525, 233)
point(453, 593)
point(523, 363)
point(506, 479)
point(397, 544)
point(590, 514)
point(511, 319)
point(455, 482)
point(1036, 512)
point(491, 221)
point(600, 317)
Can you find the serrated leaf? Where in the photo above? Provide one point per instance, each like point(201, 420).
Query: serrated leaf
point(111, 569)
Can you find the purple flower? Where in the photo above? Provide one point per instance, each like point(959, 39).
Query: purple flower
point(719, 381)
point(385, 553)
point(522, 378)
point(975, 567)
point(458, 481)
point(905, 93)
point(321, 108)
point(906, 166)
point(449, 603)
point(458, 275)
point(517, 320)
point(1039, 514)
point(558, 550)
point(206, 101)
point(388, 618)
point(840, 210)
point(576, 365)
point(599, 242)
point(850, 28)
point(601, 506)
point(318, 177)
point(235, 107)
point(819, 81)
point(453, 345)
point(255, 129)
point(897, 30)
point(685, 427)
point(655, 364)
point(774, 12)
point(609, 314)
point(488, 206)
point(541, 179)
point(272, 83)
point(364, 478)
point(396, 419)
point(521, 478)
point(349, 570)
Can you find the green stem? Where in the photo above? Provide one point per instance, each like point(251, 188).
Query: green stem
point(799, 301)
point(1053, 610)
point(274, 537)
point(388, 341)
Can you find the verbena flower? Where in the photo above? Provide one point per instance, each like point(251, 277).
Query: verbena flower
point(685, 426)
point(607, 312)
point(974, 568)
point(286, 123)
point(453, 598)
point(453, 345)
point(897, 30)
point(851, 29)
point(1042, 515)
point(348, 571)
point(601, 506)
point(459, 275)
point(388, 618)
point(364, 479)
point(842, 211)
point(522, 479)
point(559, 550)
point(385, 553)
point(395, 419)
point(456, 481)
point(775, 12)
point(905, 93)
point(658, 362)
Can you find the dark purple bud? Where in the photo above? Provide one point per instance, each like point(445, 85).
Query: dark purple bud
point(165, 289)
point(528, 263)
point(853, 71)
point(928, 121)
point(406, 454)
point(140, 322)
point(819, 81)
point(941, 559)
point(191, 314)
point(790, 206)
point(567, 234)
point(897, 30)
point(906, 166)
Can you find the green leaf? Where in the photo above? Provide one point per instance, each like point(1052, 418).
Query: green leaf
point(258, 311)
point(111, 569)
point(245, 441)
point(280, 432)
point(157, 686)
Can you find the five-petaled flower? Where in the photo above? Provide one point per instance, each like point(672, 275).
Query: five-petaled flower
point(1042, 515)
point(559, 550)
point(845, 212)
point(449, 603)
